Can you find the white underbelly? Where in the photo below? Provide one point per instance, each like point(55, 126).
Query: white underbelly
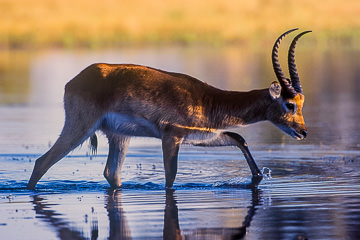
point(129, 125)
point(200, 138)
point(133, 126)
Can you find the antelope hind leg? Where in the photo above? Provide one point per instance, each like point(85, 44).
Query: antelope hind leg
point(65, 143)
point(79, 125)
point(118, 145)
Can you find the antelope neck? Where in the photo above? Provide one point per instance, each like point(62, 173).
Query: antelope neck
point(232, 108)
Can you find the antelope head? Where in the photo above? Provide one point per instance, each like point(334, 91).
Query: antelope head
point(285, 111)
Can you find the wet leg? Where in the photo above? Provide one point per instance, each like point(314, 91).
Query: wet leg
point(170, 147)
point(240, 142)
point(71, 137)
point(118, 145)
point(81, 122)
point(234, 139)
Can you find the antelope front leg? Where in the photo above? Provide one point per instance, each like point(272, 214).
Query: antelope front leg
point(118, 145)
point(170, 147)
point(234, 139)
point(240, 142)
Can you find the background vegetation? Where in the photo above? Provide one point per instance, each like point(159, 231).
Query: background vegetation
point(111, 23)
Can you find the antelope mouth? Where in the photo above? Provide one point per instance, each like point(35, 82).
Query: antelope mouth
point(292, 132)
point(296, 135)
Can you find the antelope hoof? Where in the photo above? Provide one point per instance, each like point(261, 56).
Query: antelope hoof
point(114, 182)
point(31, 186)
point(256, 179)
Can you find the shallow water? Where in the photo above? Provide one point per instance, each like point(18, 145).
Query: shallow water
point(313, 192)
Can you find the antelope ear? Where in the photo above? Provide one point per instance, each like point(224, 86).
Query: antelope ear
point(275, 90)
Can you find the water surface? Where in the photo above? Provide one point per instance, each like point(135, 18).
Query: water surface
point(314, 191)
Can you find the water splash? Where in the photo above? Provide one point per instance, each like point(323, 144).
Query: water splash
point(266, 172)
point(61, 186)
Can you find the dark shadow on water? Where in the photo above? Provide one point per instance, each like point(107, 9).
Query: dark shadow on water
point(119, 227)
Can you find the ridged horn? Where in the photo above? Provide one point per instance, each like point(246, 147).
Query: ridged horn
point(295, 81)
point(284, 82)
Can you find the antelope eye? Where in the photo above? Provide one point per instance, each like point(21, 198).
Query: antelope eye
point(290, 106)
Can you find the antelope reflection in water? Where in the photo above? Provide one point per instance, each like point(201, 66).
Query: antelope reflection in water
point(61, 226)
point(119, 226)
point(172, 229)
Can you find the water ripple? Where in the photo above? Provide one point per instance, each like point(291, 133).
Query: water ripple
point(58, 186)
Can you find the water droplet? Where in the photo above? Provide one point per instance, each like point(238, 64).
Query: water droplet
point(236, 181)
point(266, 172)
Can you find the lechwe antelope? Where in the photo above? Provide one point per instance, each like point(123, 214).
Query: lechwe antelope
point(132, 100)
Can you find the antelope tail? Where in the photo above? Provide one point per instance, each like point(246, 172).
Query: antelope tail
point(93, 144)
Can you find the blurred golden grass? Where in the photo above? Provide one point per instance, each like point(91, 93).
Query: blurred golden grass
point(111, 23)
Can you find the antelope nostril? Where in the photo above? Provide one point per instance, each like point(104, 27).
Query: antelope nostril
point(304, 133)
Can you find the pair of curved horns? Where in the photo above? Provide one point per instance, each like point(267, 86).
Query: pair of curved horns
point(290, 86)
